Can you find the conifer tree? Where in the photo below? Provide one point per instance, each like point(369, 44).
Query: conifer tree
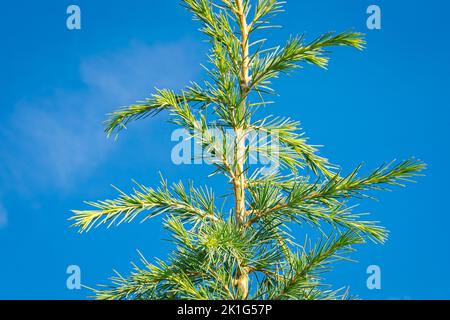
point(247, 251)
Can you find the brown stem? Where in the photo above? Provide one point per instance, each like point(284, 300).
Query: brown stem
point(241, 281)
point(239, 180)
point(245, 77)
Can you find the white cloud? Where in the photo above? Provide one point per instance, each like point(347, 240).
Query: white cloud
point(52, 141)
point(136, 70)
point(3, 217)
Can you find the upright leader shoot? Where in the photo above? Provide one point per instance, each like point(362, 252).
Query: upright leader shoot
point(245, 251)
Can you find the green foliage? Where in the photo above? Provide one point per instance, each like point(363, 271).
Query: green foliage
point(246, 252)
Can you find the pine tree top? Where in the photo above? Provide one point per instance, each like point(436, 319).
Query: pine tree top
point(247, 251)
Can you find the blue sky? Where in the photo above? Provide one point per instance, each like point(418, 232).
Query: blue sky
point(389, 102)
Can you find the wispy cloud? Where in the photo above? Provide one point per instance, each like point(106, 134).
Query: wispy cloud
point(54, 140)
point(3, 217)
